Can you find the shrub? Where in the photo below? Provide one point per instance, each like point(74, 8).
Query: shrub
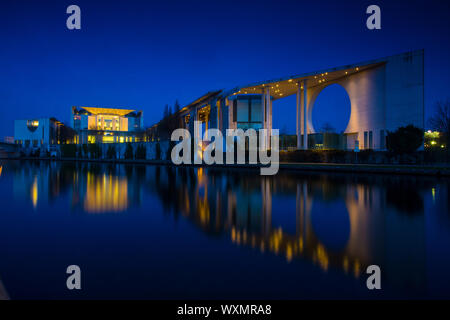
point(128, 152)
point(68, 150)
point(84, 149)
point(36, 153)
point(111, 152)
point(94, 150)
point(169, 150)
point(405, 140)
point(141, 152)
point(158, 151)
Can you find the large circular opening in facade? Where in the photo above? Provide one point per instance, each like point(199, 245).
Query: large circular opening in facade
point(331, 111)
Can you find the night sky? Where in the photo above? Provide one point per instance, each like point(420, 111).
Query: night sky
point(145, 54)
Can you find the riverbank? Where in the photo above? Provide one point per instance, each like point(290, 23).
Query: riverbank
point(429, 170)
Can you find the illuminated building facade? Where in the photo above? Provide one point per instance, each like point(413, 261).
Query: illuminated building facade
point(107, 125)
point(385, 94)
point(42, 132)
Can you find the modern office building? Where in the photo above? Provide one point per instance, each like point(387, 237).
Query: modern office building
point(385, 94)
point(107, 125)
point(41, 133)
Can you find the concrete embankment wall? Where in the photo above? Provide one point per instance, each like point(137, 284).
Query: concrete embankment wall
point(150, 148)
point(153, 150)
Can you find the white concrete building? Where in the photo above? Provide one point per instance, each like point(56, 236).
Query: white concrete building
point(385, 94)
point(37, 133)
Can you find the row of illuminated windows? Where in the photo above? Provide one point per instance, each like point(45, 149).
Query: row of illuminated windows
point(112, 139)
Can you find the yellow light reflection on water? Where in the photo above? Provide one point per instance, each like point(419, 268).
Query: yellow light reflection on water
point(322, 257)
point(433, 194)
point(34, 193)
point(106, 193)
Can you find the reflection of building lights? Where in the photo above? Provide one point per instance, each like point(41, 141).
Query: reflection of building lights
point(1, 168)
point(357, 269)
point(200, 151)
point(106, 193)
point(300, 245)
point(322, 257)
point(345, 264)
point(34, 193)
point(289, 253)
point(433, 194)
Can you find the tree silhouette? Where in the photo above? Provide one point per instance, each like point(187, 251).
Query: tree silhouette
point(440, 121)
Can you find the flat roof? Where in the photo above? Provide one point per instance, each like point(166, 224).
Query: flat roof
point(111, 111)
point(286, 86)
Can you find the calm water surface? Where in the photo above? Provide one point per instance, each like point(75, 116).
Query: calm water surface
point(165, 232)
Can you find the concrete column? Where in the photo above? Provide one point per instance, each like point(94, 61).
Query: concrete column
point(218, 112)
point(230, 115)
point(192, 118)
point(269, 116)
point(199, 127)
point(207, 126)
point(263, 108)
point(213, 115)
point(263, 143)
point(299, 116)
point(305, 111)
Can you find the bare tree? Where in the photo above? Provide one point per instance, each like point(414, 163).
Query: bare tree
point(440, 121)
point(176, 107)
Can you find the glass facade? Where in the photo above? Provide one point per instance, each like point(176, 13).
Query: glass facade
point(247, 111)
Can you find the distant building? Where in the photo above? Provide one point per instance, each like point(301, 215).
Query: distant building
point(9, 139)
point(42, 132)
point(107, 125)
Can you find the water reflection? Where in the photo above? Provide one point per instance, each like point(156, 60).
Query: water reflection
point(341, 222)
point(94, 188)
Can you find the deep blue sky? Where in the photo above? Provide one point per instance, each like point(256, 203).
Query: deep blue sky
point(145, 54)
